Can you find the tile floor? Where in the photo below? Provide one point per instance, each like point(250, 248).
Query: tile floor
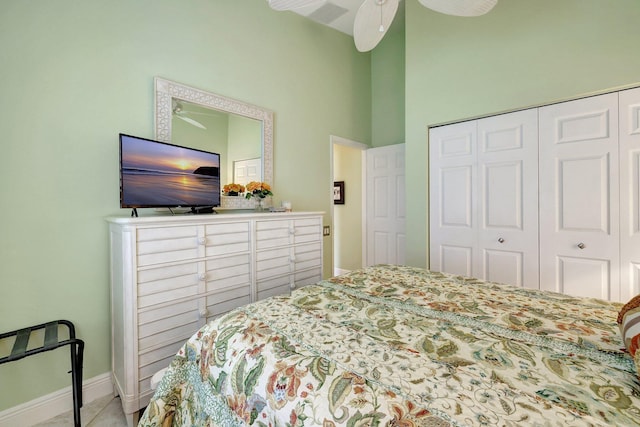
point(103, 412)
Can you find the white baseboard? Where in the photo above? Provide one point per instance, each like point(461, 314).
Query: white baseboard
point(56, 403)
point(339, 271)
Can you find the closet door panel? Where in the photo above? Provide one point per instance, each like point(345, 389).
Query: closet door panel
point(583, 193)
point(455, 259)
point(629, 193)
point(453, 229)
point(583, 276)
point(503, 198)
point(508, 198)
point(579, 197)
point(503, 266)
point(456, 197)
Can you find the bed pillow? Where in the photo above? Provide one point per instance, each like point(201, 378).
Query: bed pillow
point(629, 320)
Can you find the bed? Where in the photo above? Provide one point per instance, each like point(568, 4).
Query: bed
point(402, 346)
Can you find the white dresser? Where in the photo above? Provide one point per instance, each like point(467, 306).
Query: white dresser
point(172, 274)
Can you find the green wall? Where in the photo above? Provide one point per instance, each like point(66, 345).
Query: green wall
point(75, 74)
point(522, 53)
point(388, 84)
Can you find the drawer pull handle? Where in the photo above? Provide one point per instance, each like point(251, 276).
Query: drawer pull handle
point(582, 245)
point(501, 240)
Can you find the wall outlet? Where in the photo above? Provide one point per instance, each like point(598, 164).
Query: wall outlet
point(326, 230)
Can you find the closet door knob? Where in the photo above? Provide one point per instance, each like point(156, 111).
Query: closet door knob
point(202, 276)
point(204, 313)
point(202, 240)
point(501, 240)
point(581, 245)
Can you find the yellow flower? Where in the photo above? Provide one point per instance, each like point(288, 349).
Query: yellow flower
point(233, 188)
point(258, 189)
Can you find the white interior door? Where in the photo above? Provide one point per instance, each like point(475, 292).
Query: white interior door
point(508, 198)
point(579, 197)
point(245, 171)
point(385, 216)
point(452, 201)
point(629, 193)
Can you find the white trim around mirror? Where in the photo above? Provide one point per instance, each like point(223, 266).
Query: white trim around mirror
point(166, 91)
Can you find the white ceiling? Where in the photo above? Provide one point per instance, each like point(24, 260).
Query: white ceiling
point(337, 14)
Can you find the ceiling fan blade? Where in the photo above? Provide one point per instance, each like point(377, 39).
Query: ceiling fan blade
point(191, 121)
point(460, 7)
point(372, 22)
point(197, 113)
point(291, 4)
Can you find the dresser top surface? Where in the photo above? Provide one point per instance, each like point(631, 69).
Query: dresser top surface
point(206, 218)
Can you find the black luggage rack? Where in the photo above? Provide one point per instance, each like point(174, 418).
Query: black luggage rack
point(51, 342)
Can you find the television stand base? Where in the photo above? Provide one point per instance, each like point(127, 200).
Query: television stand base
point(202, 210)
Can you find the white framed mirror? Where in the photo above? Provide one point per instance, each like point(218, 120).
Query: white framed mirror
point(172, 98)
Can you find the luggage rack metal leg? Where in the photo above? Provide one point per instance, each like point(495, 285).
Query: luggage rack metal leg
point(51, 342)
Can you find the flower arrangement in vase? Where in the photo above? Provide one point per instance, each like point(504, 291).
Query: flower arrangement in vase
point(258, 190)
point(232, 189)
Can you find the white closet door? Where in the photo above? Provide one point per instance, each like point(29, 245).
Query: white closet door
point(629, 193)
point(579, 197)
point(508, 198)
point(453, 244)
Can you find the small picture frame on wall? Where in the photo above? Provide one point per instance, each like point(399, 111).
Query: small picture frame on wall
point(338, 192)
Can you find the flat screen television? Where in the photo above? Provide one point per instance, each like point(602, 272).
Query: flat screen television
point(156, 174)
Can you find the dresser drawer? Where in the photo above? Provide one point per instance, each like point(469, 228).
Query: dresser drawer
point(161, 285)
point(307, 277)
point(228, 272)
point(271, 234)
point(146, 370)
point(307, 256)
point(224, 301)
point(307, 230)
point(280, 285)
point(167, 244)
point(158, 327)
point(274, 262)
point(227, 238)
point(153, 358)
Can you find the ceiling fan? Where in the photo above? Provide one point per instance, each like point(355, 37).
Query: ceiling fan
point(179, 112)
point(375, 16)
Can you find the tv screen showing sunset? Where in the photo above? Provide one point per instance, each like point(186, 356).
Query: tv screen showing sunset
point(155, 174)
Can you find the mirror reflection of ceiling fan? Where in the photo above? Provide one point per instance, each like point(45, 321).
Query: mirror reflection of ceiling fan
point(182, 114)
point(374, 17)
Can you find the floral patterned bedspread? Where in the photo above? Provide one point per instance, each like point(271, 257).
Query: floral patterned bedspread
point(401, 346)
